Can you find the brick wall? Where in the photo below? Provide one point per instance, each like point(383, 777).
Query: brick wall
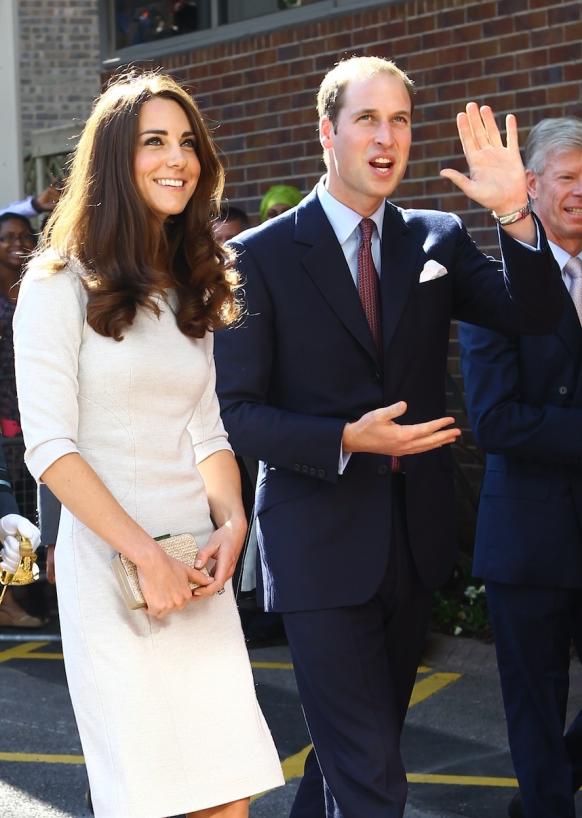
point(520, 56)
point(59, 62)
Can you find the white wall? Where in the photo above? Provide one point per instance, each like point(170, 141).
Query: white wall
point(10, 135)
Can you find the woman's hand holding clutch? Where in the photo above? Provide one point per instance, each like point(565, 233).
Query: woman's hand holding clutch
point(164, 582)
point(224, 546)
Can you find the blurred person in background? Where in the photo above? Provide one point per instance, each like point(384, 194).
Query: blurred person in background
point(32, 206)
point(524, 399)
point(17, 241)
point(277, 200)
point(231, 221)
point(12, 525)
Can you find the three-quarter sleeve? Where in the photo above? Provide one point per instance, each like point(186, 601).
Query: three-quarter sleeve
point(206, 429)
point(48, 329)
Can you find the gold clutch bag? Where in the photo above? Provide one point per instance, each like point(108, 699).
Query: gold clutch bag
point(181, 547)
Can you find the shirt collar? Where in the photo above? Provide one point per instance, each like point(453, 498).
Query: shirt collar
point(342, 218)
point(561, 256)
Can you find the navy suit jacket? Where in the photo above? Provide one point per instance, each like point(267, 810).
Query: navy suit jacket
point(524, 397)
point(302, 363)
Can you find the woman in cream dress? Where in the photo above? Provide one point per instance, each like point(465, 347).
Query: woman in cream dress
point(115, 373)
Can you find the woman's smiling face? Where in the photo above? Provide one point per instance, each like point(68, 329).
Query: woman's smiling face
point(166, 167)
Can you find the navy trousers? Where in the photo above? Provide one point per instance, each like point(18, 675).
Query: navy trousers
point(355, 670)
point(534, 631)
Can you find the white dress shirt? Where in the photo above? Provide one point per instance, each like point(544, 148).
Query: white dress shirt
point(562, 257)
point(345, 223)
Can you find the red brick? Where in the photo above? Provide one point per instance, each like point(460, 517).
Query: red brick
point(511, 6)
point(531, 98)
point(532, 59)
point(531, 20)
point(515, 42)
point(424, 59)
point(498, 27)
point(566, 53)
point(481, 11)
point(548, 76)
point(437, 39)
point(451, 18)
point(573, 72)
point(483, 87)
point(426, 23)
point(486, 48)
point(563, 93)
point(453, 54)
point(564, 14)
point(573, 31)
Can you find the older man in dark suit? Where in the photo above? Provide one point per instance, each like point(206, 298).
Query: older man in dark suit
point(524, 396)
point(335, 381)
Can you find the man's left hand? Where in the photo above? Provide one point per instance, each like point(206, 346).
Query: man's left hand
point(496, 174)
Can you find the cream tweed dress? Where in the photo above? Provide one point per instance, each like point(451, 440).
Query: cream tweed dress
point(166, 710)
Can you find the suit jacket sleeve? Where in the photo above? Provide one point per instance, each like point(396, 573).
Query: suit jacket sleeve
point(49, 515)
point(502, 422)
point(531, 278)
point(245, 358)
point(8, 504)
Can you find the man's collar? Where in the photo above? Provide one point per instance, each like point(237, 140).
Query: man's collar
point(342, 218)
point(561, 255)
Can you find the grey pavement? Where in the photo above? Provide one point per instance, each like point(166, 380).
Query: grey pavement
point(455, 729)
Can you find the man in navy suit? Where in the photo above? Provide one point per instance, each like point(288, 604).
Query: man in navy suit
point(335, 380)
point(524, 396)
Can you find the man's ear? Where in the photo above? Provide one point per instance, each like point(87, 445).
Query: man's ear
point(532, 184)
point(326, 132)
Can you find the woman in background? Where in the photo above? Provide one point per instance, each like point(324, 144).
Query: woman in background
point(115, 374)
point(277, 200)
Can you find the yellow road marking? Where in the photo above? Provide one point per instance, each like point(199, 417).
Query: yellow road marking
point(294, 764)
point(22, 651)
point(431, 685)
point(462, 780)
point(54, 656)
point(42, 758)
point(272, 665)
point(292, 768)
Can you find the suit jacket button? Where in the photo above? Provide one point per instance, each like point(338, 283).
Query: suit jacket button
point(312, 472)
point(321, 473)
point(305, 469)
point(296, 467)
point(383, 469)
point(563, 390)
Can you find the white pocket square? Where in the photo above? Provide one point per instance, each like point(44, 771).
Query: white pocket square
point(431, 270)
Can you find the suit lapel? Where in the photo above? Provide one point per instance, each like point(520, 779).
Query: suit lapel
point(325, 263)
point(400, 268)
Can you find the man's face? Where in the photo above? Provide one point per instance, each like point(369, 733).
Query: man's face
point(557, 199)
point(224, 231)
point(368, 151)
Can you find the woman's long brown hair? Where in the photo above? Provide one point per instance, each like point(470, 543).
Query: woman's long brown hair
point(102, 221)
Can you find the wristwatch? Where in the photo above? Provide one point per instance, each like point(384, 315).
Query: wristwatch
point(511, 218)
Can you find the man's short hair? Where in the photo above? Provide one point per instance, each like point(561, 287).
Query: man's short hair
point(332, 89)
point(230, 213)
point(549, 137)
